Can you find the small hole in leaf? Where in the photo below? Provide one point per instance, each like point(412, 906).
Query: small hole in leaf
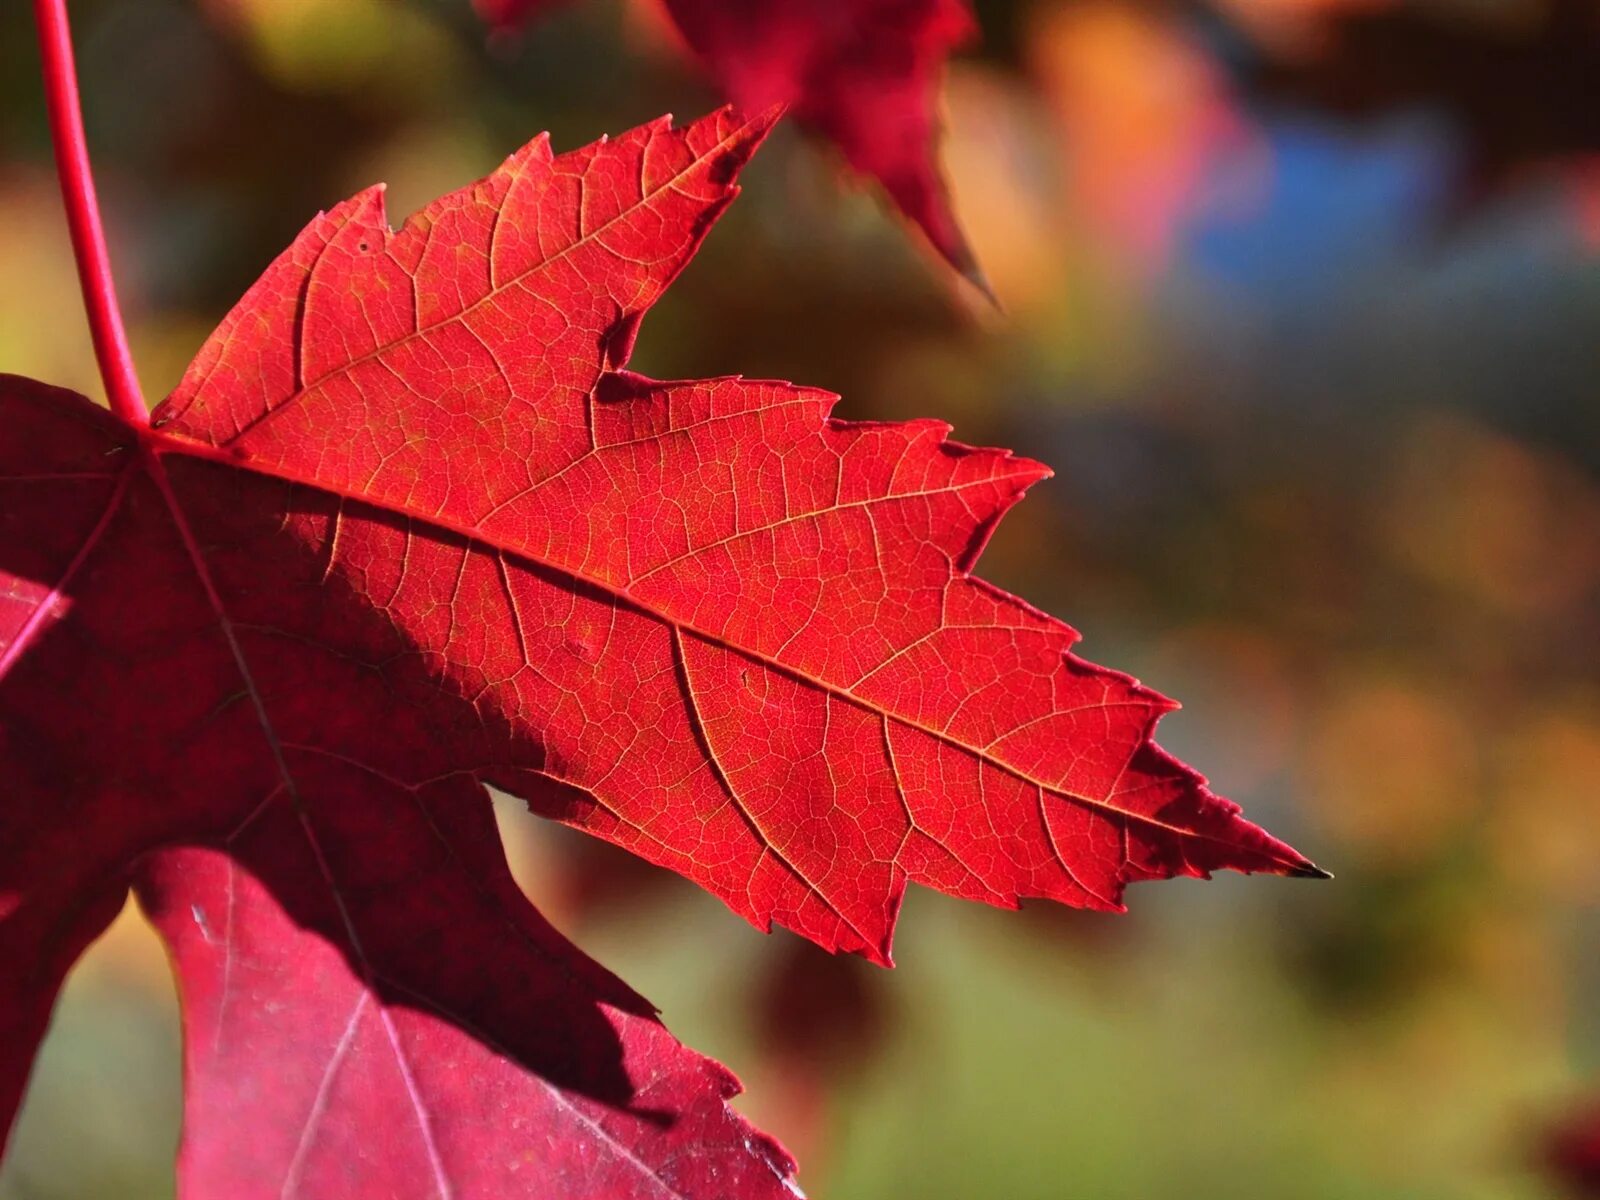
point(363, 247)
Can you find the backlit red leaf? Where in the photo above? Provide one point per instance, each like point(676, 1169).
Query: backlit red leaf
point(408, 527)
point(371, 1007)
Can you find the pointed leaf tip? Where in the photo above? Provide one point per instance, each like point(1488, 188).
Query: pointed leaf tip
point(1310, 870)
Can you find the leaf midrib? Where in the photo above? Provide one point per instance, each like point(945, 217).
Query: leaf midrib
point(168, 443)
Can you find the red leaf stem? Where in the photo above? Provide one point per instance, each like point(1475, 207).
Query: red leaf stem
point(83, 214)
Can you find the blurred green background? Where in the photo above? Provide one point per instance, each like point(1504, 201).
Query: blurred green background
point(1300, 300)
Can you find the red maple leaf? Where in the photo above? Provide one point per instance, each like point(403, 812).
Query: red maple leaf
point(863, 73)
point(408, 527)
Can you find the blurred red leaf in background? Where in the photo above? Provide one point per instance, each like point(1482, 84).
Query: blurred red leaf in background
point(1573, 1150)
point(863, 73)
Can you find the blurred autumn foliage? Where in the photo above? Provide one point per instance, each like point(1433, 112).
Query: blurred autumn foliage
point(1299, 299)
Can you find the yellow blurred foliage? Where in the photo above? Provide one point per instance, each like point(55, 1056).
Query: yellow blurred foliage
point(1004, 185)
point(341, 45)
point(1391, 768)
point(129, 953)
point(1546, 828)
point(1513, 527)
point(42, 329)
